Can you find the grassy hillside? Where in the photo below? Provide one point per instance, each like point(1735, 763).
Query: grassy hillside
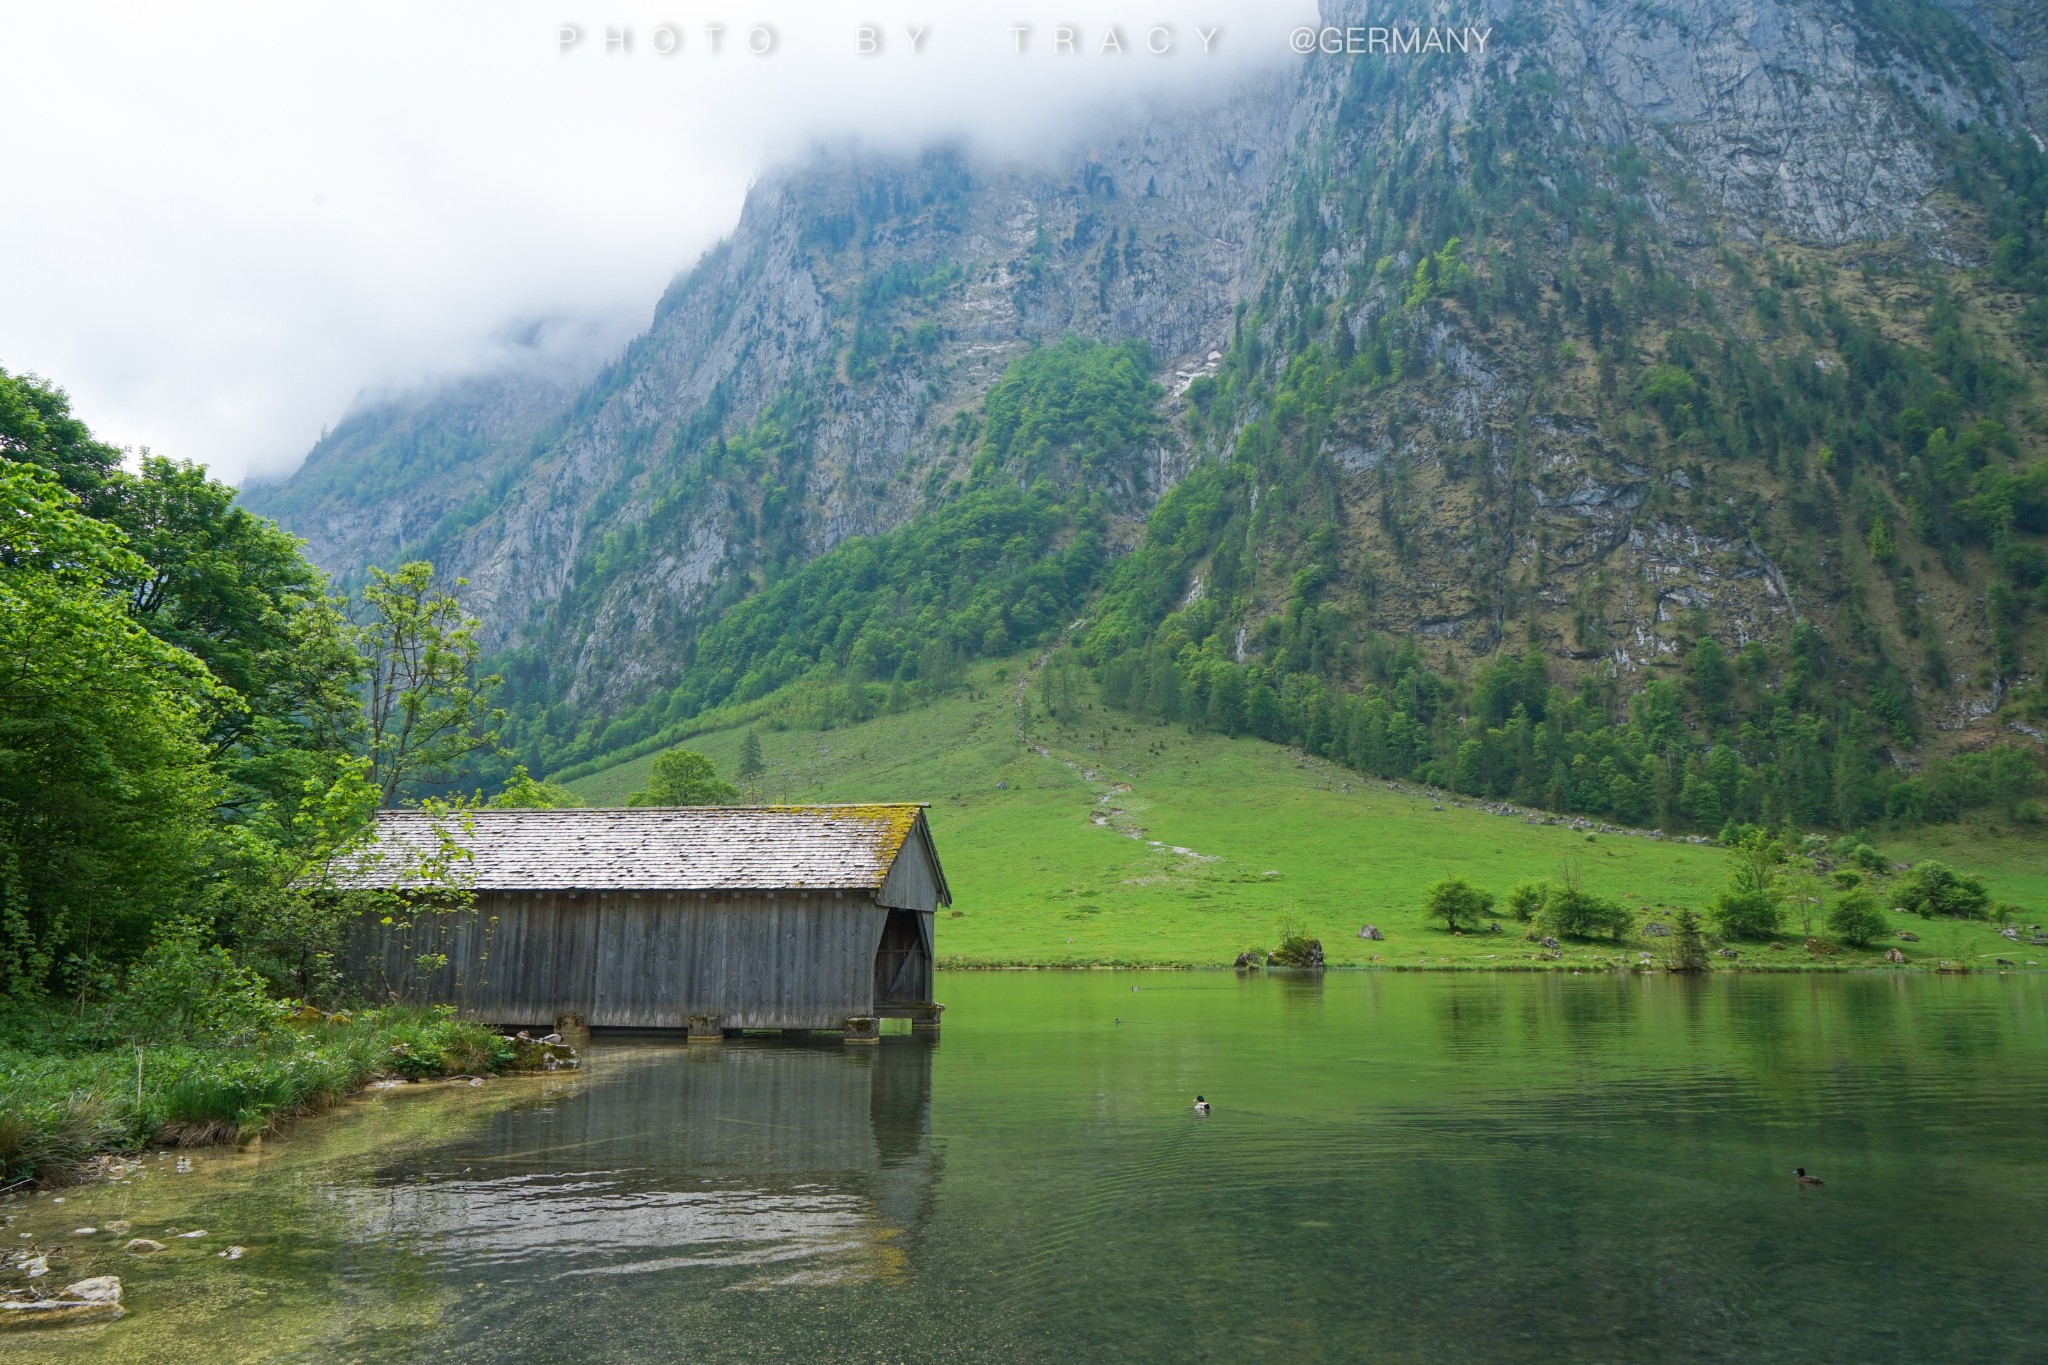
point(1111, 840)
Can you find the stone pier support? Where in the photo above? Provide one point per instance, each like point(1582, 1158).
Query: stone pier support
point(862, 1029)
point(704, 1028)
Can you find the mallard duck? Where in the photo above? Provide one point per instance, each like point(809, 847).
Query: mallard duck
point(1806, 1179)
point(1201, 1105)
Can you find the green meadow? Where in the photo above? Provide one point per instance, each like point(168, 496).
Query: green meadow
point(1104, 839)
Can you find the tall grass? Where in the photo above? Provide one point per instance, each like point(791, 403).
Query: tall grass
point(59, 1109)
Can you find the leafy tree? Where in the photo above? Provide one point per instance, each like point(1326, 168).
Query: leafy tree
point(1856, 918)
point(1753, 904)
point(522, 792)
point(427, 711)
point(684, 777)
point(235, 592)
point(1456, 903)
point(36, 427)
point(105, 788)
point(288, 912)
point(1077, 408)
point(1713, 677)
point(1931, 888)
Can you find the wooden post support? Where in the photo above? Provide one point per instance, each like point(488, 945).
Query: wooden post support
point(862, 1029)
point(704, 1028)
point(574, 1031)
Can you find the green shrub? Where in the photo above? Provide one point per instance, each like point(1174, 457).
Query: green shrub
point(1747, 914)
point(1525, 901)
point(60, 1106)
point(188, 988)
point(1856, 918)
point(1931, 888)
point(1573, 912)
point(1456, 903)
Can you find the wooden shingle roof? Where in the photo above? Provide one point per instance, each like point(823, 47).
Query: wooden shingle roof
point(667, 848)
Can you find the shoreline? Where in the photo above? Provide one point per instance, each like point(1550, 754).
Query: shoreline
point(1944, 967)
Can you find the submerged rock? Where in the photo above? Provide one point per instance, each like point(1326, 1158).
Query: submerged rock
point(535, 1054)
point(95, 1300)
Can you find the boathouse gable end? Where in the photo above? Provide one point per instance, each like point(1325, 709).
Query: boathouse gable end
point(702, 918)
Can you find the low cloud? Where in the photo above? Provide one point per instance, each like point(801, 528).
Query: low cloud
point(231, 221)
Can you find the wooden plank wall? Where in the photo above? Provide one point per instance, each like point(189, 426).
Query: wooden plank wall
point(627, 960)
point(911, 884)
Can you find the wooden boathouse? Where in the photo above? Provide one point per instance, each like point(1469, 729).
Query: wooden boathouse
point(714, 919)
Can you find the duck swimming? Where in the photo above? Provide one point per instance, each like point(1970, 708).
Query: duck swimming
point(1806, 1179)
point(1201, 1105)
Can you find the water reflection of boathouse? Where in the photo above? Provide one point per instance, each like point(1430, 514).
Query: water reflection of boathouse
point(760, 1164)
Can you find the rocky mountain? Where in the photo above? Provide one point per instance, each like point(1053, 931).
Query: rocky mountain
point(861, 303)
point(1649, 324)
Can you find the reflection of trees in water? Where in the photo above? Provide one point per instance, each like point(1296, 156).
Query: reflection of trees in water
point(1299, 989)
point(760, 1163)
point(1469, 1016)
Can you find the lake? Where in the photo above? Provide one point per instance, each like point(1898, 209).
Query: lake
point(1399, 1167)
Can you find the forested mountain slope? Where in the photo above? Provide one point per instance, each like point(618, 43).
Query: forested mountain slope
point(1646, 417)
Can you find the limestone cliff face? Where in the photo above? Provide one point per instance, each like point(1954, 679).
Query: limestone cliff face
point(863, 304)
point(1515, 485)
point(838, 252)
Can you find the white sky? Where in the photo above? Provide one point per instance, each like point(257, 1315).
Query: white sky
point(224, 222)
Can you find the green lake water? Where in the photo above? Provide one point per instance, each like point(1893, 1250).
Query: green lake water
point(1398, 1167)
